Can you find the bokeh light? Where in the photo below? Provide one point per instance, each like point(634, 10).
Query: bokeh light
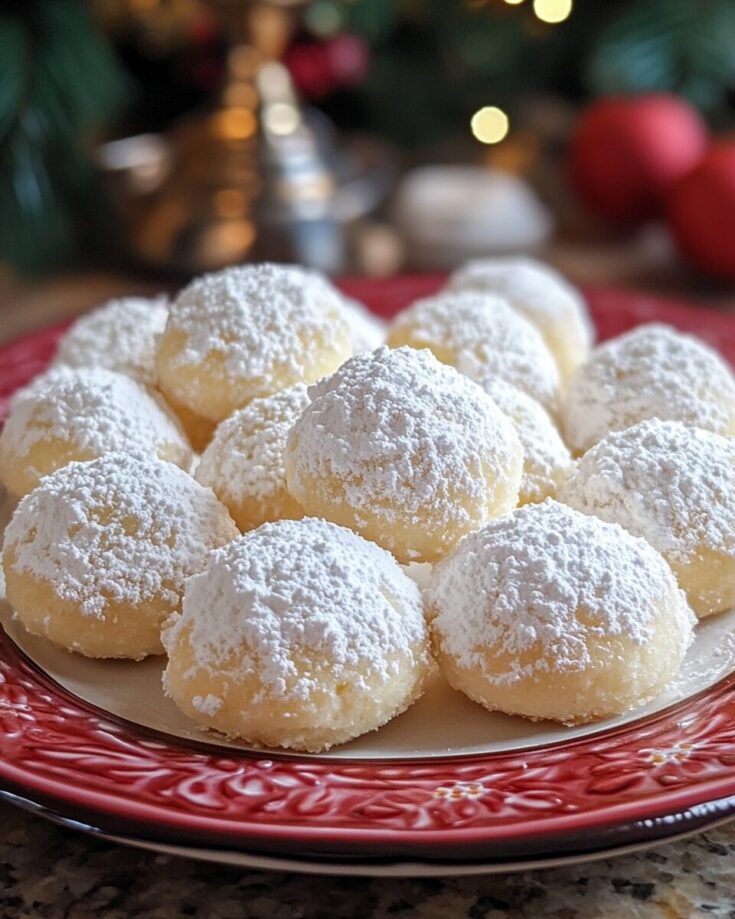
point(281, 118)
point(490, 124)
point(552, 11)
point(323, 18)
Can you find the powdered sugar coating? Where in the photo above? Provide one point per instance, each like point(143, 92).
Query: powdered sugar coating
point(482, 337)
point(546, 458)
point(248, 315)
point(120, 335)
point(651, 372)
point(92, 411)
point(299, 591)
point(244, 463)
point(669, 483)
point(367, 331)
point(248, 332)
point(208, 705)
point(541, 295)
point(546, 576)
point(396, 437)
point(121, 529)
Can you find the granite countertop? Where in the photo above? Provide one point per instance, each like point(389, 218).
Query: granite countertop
point(51, 873)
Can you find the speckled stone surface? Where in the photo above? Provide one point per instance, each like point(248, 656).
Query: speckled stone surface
point(54, 873)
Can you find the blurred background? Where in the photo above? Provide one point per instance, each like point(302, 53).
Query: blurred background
point(144, 141)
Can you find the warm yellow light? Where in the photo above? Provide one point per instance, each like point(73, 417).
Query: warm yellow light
point(552, 11)
point(234, 123)
point(490, 124)
point(513, 2)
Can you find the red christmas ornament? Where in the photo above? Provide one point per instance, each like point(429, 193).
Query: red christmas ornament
point(349, 57)
point(627, 152)
point(319, 68)
point(311, 69)
point(702, 212)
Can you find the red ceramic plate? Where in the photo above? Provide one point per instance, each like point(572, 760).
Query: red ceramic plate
point(657, 777)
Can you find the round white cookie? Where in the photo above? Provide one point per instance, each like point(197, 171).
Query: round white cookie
point(483, 338)
point(245, 462)
point(549, 613)
point(96, 557)
point(651, 372)
point(248, 332)
point(542, 295)
point(299, 635)
point(546, 458)
point(404, 450)
point(121, 335)
point(674, 486)
point(79, 414)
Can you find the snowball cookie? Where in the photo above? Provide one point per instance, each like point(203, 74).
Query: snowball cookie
point(199, 430)
point(300, 634)
point(120, 335)
point(247, 332)
point(482, 337)
point(96, 557)
point(549, 613)
point(652, 372)
point(123, 335)
point(674, 486)
point(542, 295)
point(79, 414)
point(367, 331)
point(244, 465)
point(404, 450)
point(546, 460)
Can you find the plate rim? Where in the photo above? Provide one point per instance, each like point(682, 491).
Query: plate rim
point(385, 868)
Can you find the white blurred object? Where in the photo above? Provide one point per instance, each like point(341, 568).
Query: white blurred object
point(450, 213)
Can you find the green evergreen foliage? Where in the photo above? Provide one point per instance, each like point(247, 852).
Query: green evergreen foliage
point(682, 46)
point(59, 82)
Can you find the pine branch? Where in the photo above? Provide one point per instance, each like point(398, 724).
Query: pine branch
point(60, 83)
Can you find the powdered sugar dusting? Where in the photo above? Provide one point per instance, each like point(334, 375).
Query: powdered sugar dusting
point(261, 320)
point(98, 410)
point(121, 335)
point(246, 456)
point(547, 575)
point(671, 484)
point(532, 287)
point(651, 372)
point(403, 436)
point(367, 331)
point(207, 705)
point(297, 590)
point(120, 529)
point(485, 339)
point(547, 461)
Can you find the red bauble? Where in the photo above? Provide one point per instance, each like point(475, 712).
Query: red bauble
point(349, 57)
point(702, 212)
point(628, 151)
point(310, 68)
point(320, 68)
